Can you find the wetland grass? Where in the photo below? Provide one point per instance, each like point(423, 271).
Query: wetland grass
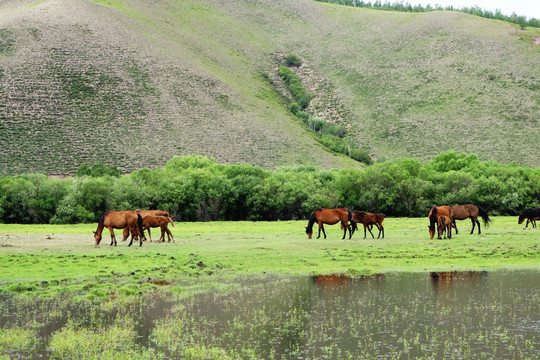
point(247, 290)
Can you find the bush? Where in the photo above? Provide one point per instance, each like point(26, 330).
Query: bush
point(293, 60)
point(361, 155)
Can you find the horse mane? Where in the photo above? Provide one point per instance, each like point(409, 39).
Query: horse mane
point(311, 221)
point(103, 217)
point(432, 217)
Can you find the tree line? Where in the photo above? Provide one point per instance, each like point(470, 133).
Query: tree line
point(520, 20)
point(197, 188)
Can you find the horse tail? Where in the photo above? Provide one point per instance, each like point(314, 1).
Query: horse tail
point(311, 221)
point(140, 225)
point(353, 223)
point(483, 213)
point(170, 220)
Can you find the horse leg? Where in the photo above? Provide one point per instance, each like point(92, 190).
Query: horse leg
point(345, 226)
point(149, 235)
point(473, 220)
point(454, 225)
point(450, 231)
point(478, 223)
point(379, 227)
point(382, 228)
point(125, 234)
point(113, 238)
point(369, 229)
point(169, 235)
point(133, 232)
point(324, 232)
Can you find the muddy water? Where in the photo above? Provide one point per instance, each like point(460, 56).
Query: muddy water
point(459, 315)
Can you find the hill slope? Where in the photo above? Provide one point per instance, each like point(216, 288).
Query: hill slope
point(134, 82)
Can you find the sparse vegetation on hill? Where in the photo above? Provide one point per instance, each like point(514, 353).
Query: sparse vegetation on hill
point(133, 83)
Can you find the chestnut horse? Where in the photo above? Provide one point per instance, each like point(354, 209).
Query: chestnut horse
point(531, 215)
point(331, 217)
point(145, 213)
point(444, 223)
point(368, 220)
point(462, 212)
point(433, 217)
point(151, 221)
point(120, 220)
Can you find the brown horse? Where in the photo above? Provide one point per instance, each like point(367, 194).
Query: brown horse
point(151, 221)
point(145, 213)
point(120, 220)
point(444, 223)
point(433, 217)
point(331, 217)
point(531, 215)
point(462, 212)
point(368, 220)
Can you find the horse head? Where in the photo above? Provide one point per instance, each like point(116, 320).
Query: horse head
point(97, 237)
point(431, 231)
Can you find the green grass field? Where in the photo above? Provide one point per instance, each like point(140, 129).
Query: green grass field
point(47, 259)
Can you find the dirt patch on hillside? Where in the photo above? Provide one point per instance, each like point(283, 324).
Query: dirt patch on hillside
point(536, 40)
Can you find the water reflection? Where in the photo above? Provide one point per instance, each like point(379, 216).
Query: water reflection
point(404, 315)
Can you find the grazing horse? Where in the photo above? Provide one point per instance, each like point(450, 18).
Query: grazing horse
point(119, 220)
point(331, 217)
point(368, 220)
point(433, 217)
point(444, 223)
point(531, 215)
point(151, 221)
point(462, 212)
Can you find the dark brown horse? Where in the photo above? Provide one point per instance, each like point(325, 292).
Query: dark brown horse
point(462, 212)
point(331, 217)
point(120, 220)
point(368, 220)
point(531, 215)
point(444, 224)
point(151, 221)
point(433, 217)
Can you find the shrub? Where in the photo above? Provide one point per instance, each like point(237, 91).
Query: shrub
point(361, 155)
point(293, 60)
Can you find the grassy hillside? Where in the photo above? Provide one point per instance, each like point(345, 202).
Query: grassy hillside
point(134, 82)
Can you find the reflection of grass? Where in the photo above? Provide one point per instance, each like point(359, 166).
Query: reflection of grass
point(46, 259)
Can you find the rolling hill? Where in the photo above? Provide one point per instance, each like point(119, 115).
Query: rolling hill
point(133, 83)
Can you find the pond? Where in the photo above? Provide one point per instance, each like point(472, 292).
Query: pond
point(458, 315)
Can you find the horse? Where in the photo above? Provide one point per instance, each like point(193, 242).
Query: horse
point(120, 220)
point(368, 220)
point(444, 223)
point(151, 221)
point(145, 213)
point(433, 217)
point(331, 217)
point(462, 212)
point(531, 215)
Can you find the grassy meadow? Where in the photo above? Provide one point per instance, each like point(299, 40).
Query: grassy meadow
point(47, 259)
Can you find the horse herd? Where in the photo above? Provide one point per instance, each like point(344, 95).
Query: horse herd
point(134, 222)
point(441, 219)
